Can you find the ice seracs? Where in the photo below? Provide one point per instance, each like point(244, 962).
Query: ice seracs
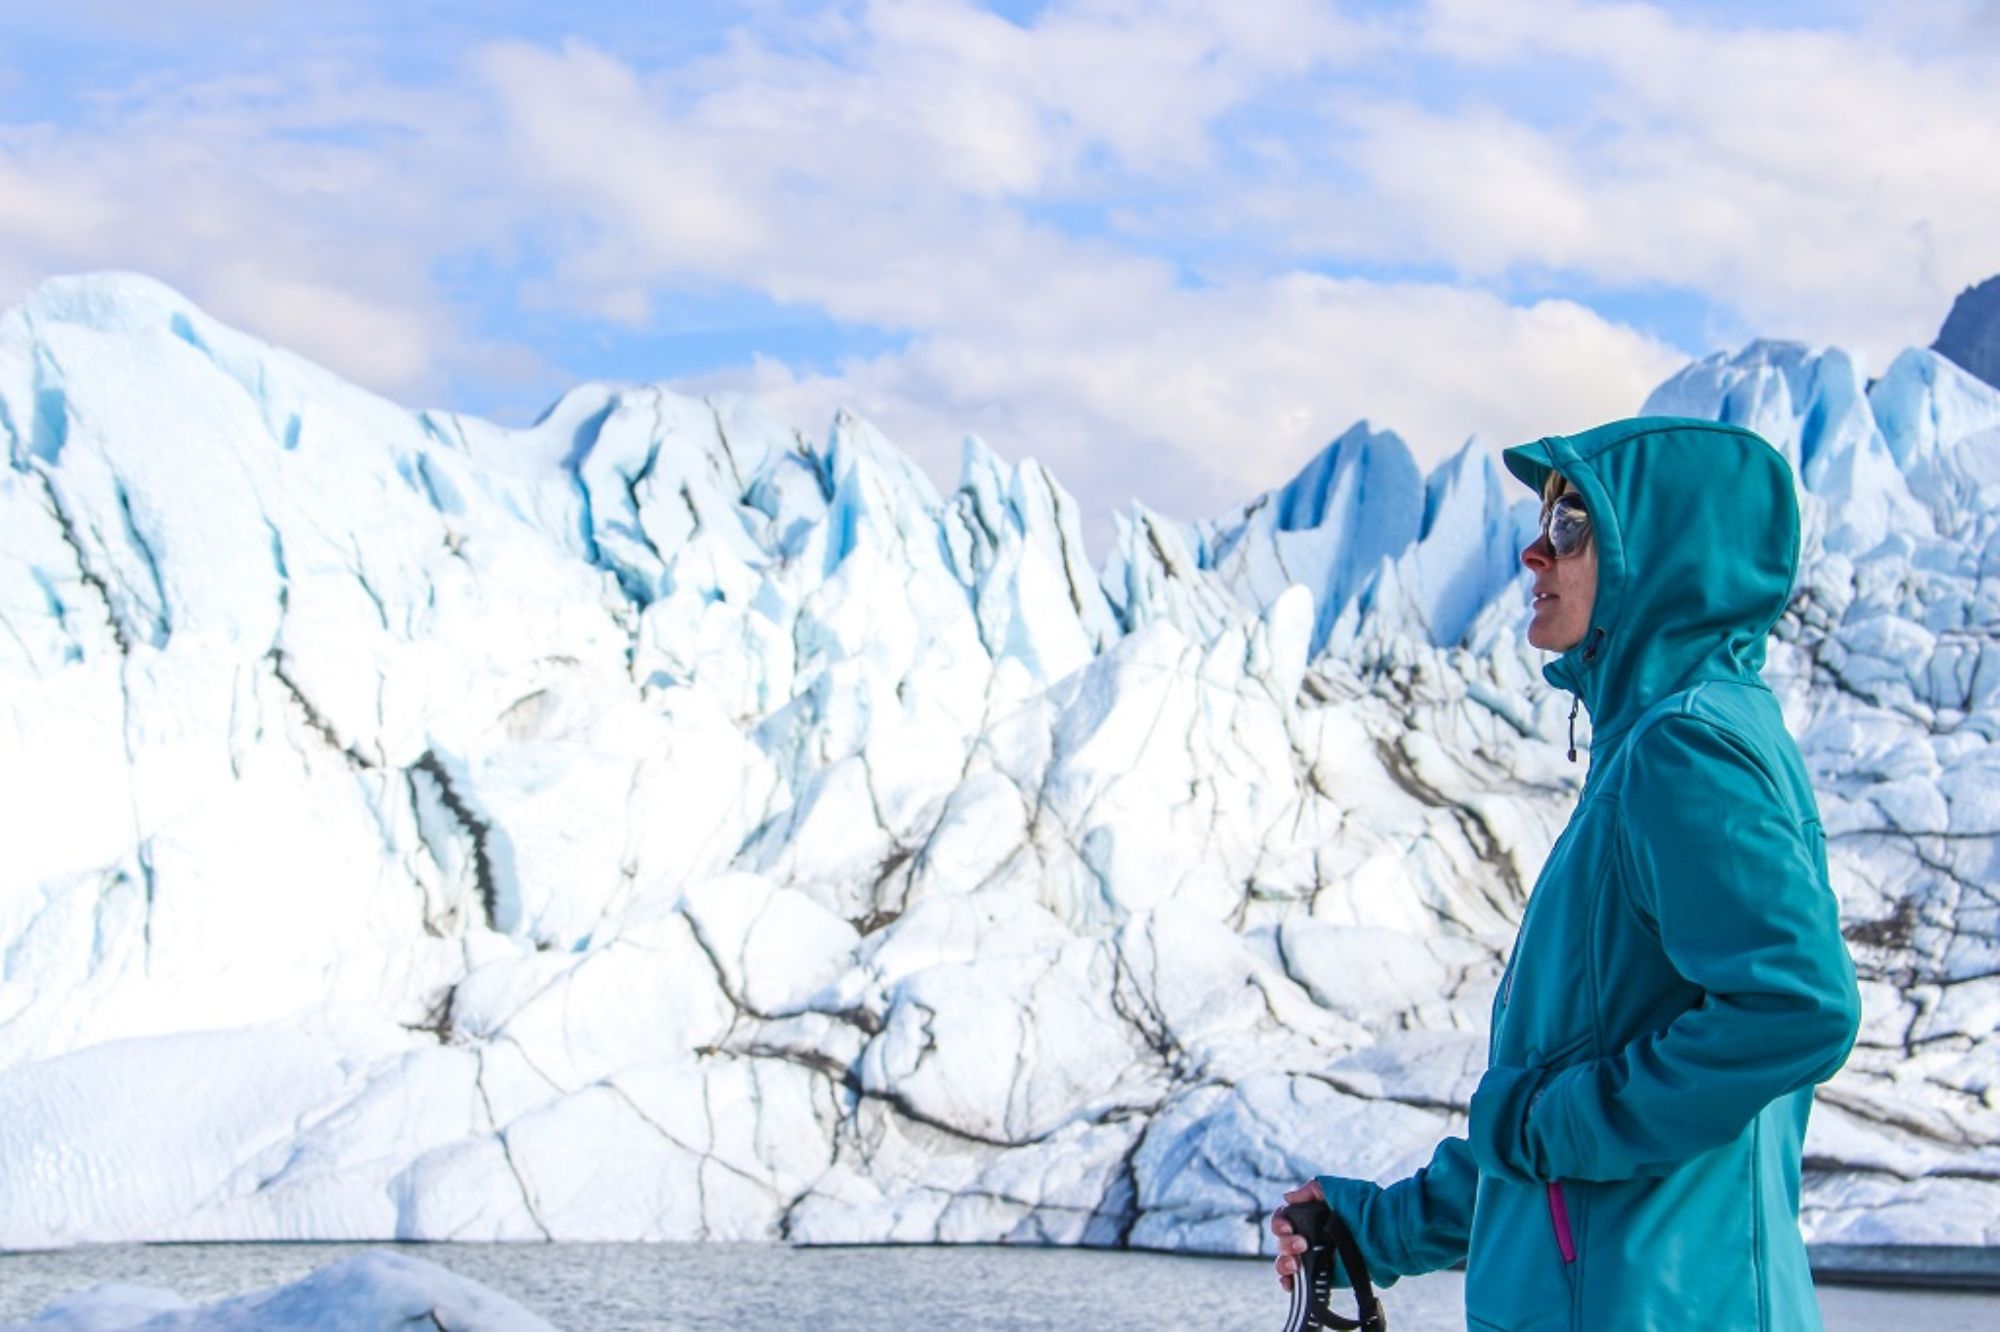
point(1356, 504)
point(653, 824)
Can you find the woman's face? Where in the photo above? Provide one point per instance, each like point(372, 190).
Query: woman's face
point(1565, 587)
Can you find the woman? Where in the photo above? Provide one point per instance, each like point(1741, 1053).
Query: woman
point(1679, 982)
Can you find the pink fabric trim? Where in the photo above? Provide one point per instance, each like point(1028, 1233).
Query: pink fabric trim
point(1559, 1214)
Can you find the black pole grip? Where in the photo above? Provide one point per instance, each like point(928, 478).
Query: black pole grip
point(1328, 1239)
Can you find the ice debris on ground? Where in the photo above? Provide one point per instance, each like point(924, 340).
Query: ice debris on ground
point(652, 824)
point(380, 1289)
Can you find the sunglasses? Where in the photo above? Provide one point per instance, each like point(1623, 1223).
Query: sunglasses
point(1566, 524)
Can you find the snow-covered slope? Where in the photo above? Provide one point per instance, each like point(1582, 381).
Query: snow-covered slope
point(654, 824)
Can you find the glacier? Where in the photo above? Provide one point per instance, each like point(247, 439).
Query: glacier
point(654, 824)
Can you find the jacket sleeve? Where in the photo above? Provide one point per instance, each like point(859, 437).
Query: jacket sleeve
point(1736, 888)
point(1416, 1225)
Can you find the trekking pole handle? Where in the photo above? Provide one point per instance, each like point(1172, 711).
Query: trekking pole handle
point(1325, 1232)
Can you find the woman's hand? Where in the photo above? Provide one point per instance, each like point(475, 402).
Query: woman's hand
point(1290, 1245)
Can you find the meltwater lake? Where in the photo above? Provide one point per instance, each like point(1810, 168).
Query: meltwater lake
point(628, 1287)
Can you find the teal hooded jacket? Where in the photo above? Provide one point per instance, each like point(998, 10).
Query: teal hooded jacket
point(1679, 982)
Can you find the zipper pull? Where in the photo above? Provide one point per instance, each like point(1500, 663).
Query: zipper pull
point(1575, 702)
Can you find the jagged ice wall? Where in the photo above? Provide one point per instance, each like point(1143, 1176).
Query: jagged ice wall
point(654, 824)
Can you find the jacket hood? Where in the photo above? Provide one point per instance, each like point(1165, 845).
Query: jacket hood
point(1697, 532)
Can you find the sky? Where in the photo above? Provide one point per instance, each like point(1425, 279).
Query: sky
point(1168, 247)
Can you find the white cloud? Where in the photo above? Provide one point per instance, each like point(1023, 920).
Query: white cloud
point(304, 205)
point(926, 118)
point(1826, 185)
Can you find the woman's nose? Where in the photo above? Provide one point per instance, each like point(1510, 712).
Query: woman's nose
point(1537, 555)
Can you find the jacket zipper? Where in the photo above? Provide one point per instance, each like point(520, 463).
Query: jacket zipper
point(1559, 1217)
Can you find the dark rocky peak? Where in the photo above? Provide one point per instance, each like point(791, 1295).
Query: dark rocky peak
point(1971, 333)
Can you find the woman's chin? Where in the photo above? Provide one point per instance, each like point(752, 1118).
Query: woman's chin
point(1549, 639)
